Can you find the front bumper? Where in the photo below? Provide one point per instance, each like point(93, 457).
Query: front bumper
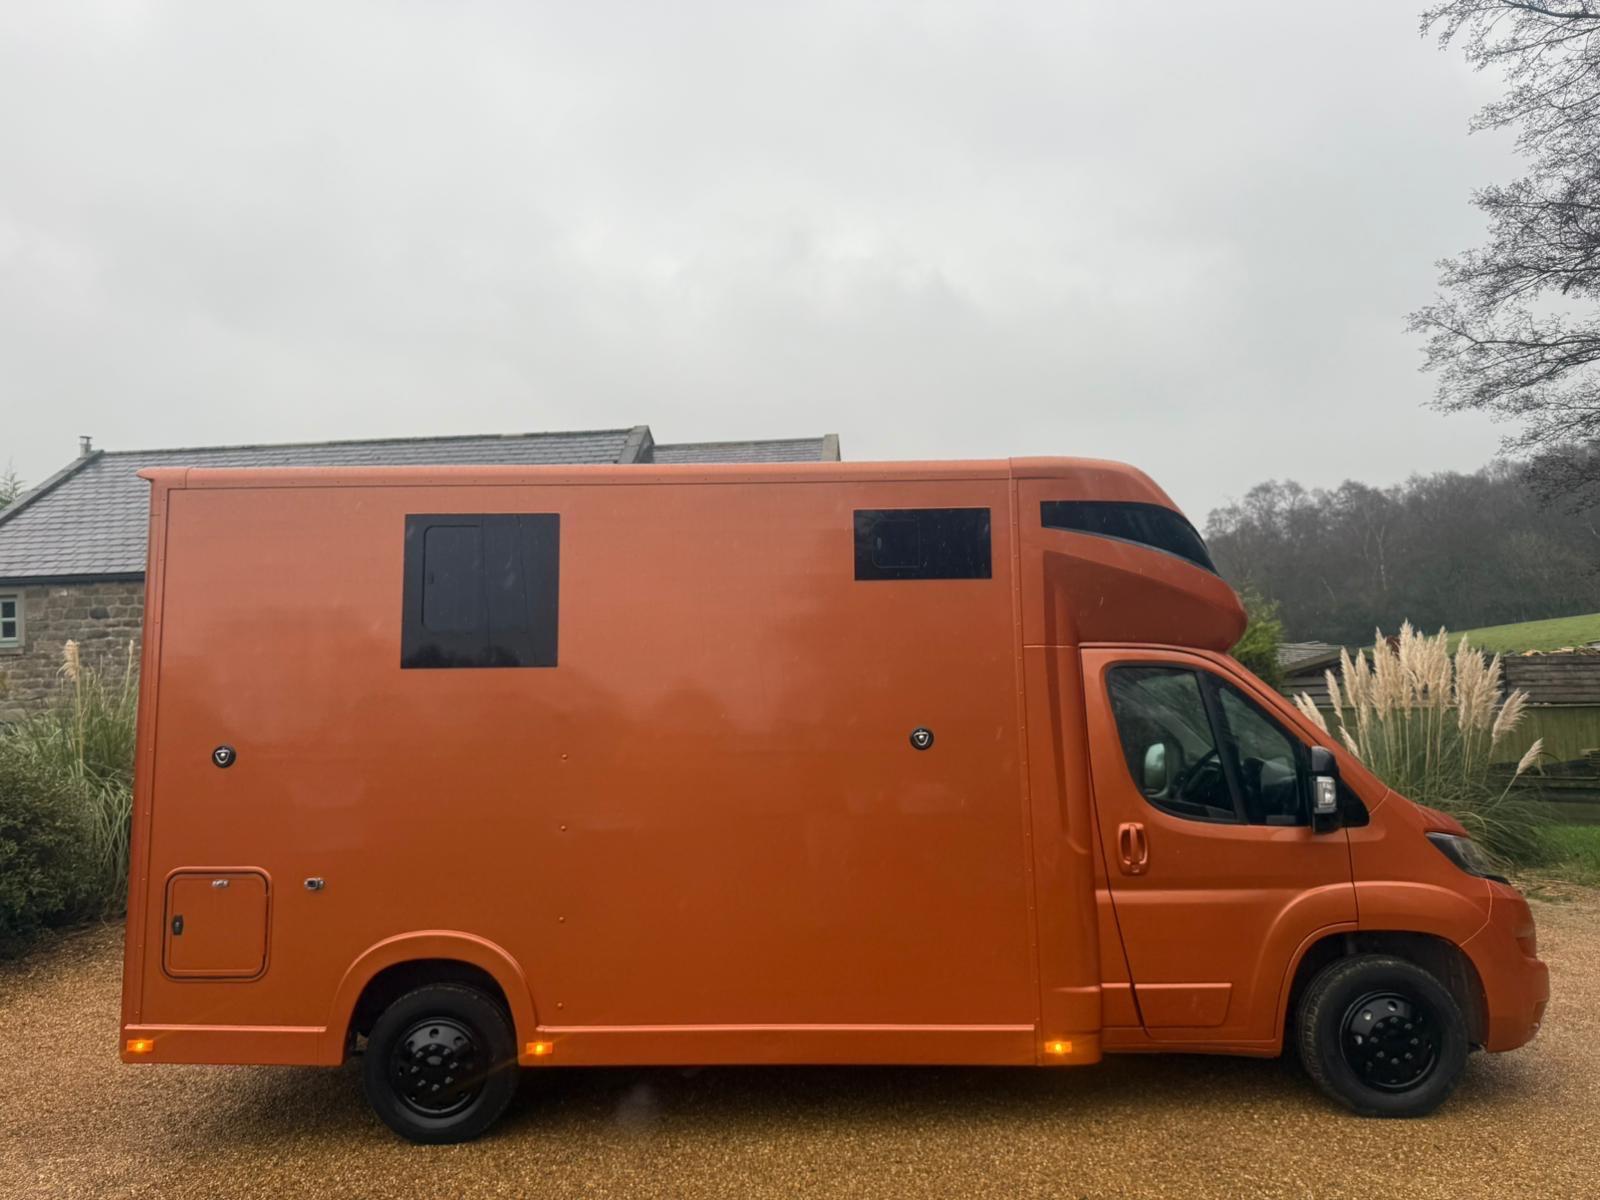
point(1516, 984)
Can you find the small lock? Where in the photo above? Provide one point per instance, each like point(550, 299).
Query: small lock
point(315, 883)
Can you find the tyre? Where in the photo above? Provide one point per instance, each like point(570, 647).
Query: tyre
point(441, 1064)
point(1382, 1036)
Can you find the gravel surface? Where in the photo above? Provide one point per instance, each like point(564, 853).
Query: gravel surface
point(74, 1121)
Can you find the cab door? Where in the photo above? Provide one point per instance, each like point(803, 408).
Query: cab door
point(1216, 877)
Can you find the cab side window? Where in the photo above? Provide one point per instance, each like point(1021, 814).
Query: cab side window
point(1168, 741)
point(1196, 747)
point(1268, 761)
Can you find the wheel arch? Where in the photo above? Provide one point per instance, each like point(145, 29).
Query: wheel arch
point(1437, 955)
point(396, 965)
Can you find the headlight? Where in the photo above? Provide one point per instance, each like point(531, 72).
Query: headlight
point(1465, 854)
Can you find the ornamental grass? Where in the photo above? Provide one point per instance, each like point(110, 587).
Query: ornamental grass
point(1431, 723)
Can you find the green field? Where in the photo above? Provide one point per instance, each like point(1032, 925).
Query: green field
point(1534, 635)
point(1576, 850)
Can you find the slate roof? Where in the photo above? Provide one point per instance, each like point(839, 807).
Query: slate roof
point(90, 519)
point(778, 450)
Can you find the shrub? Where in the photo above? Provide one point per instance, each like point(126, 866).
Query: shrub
point(84, 741)
point(1426, 723)
point(1258, 645)
point(45, 868)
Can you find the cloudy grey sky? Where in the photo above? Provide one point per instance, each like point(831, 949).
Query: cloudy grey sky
point(1184, 235)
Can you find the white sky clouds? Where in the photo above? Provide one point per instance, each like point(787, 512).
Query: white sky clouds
point(1183, 235)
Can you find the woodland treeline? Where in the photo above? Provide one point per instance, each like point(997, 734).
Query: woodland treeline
point(1451, 549)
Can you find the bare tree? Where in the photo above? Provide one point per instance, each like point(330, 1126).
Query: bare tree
point(1515, 331)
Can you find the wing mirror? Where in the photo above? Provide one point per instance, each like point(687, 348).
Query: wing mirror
point(1324, 790)
point(1155, 774)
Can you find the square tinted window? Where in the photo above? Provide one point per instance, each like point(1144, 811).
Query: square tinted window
point(481, 590)
point(922, 543)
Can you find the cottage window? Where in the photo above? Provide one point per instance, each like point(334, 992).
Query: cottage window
point(10, 620)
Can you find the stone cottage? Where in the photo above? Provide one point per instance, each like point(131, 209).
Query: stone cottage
point(72, 550)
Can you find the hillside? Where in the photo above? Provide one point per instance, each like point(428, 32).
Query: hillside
point(1554, 634)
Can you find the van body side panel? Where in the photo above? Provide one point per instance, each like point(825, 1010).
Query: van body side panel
point(134, 949)
point(708, 816)
point(1026, 765)
point(1063, 841)
point(821, 1044)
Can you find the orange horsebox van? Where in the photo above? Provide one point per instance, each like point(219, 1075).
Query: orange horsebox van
point(466, 769)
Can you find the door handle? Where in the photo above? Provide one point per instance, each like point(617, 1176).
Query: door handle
point(177, 925)
point(1133, 848)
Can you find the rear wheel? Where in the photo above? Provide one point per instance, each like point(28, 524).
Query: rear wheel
point(441, 1064)
point(1382, 1036)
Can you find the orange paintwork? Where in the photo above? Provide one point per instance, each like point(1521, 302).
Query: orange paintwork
point(703, 836)
point(225, 922)
point(1210, 920)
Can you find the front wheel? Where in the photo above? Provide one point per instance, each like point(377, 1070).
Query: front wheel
point(441, 1064)
point(1382, 1036)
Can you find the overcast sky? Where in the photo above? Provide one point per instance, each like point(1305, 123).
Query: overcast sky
point(1183, 235)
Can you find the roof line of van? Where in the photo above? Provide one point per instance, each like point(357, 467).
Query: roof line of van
point(1093, 477)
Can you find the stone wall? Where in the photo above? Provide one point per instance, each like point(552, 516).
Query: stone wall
point(101, 617)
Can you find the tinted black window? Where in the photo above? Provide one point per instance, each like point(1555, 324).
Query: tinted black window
point(452, 578)
point(1197, 747)
point(1169, 743)
point(481, 590)
point(1268, 762)
point(897, 543)
point(1147, 524)
point(922, 543)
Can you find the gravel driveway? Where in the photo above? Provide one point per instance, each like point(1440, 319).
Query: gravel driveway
point(76, 1122)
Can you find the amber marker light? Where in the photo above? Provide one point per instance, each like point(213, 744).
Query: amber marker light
point(141, 1045)
point(1058, 1047)
point(540, 1049)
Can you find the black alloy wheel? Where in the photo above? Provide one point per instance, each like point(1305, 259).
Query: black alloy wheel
point(1381, 1035)
point(436, 1067)
point(441, 1063)
point(1391, 1040)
